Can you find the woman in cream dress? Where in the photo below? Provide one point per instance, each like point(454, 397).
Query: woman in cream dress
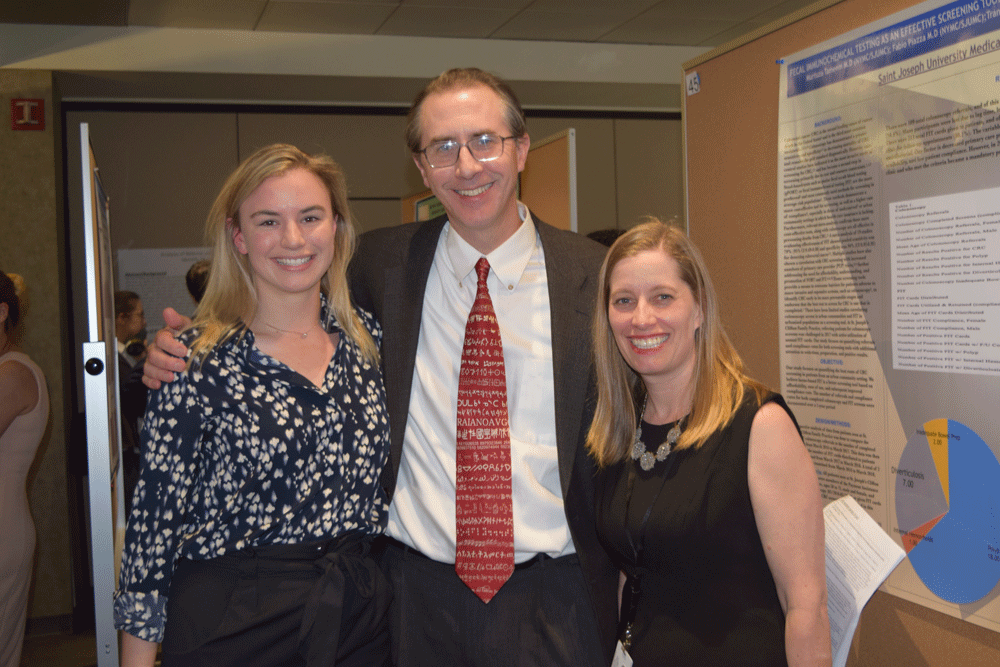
point(24, 411)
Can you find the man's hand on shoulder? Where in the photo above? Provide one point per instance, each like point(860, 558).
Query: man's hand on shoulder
point(166, 355)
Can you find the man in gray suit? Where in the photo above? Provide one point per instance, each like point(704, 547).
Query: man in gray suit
point(467, 133)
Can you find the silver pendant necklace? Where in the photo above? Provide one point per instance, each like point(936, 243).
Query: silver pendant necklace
point(646, 458)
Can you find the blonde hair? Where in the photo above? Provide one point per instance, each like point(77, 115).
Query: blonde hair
point(720, 378)
point(230, 297)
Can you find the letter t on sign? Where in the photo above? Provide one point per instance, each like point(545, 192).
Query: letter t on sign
point(27, 114)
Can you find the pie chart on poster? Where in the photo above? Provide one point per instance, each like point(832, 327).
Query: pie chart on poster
point(948, 510)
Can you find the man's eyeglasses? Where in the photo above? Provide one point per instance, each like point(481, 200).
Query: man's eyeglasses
point(484, 148)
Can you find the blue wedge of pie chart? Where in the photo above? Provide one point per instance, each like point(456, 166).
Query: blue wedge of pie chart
point(948, 510)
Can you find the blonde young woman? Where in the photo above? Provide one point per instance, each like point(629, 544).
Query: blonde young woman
point(708, 501)
point(24, 413)
point(248, 541)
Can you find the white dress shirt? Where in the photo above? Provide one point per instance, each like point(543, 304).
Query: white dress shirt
point(128, 357)
point(422, 512)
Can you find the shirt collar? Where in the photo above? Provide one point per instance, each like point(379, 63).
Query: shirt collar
point(121, 350)
point(507, 261)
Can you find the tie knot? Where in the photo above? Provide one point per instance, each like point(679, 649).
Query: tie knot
point(482, 269)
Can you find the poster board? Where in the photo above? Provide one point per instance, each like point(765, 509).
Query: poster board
point(420, 206)
point(731, 179)
point(548, 182)
point(889, 271)
point(100, 387)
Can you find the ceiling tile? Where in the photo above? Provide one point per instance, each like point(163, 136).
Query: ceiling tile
point(65, 12)
point(680, 22)
point(347, 18)
point(667, 30)
point(631, 7)
point(709, 10)
point(338, 2)
point(219, 14)
point(737, 31)
point(509, 6)
point(781, 10)
point(444, 22)
point(577, 26)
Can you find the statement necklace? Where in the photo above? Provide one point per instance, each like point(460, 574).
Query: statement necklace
point(646, 458)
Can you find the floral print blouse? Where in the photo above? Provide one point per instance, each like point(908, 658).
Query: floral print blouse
point(242, 451)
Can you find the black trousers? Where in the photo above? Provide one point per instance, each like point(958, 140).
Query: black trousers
point(282, 605)
point(542, 616)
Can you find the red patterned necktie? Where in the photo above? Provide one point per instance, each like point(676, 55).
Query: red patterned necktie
point(484, 521)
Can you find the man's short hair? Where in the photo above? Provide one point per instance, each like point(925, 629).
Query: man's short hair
point(466, 77)
point(197, 278)
point(125, 302)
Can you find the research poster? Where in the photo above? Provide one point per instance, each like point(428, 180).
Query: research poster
point(889, 287)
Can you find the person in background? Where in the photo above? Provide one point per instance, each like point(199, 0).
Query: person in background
point(426, 283)
point(708, 503)
point(605, 236)
point(24, 413)
point(133, 391)
point(130, 327)
point(197, 279)
point(130, 332)
point(258, 496)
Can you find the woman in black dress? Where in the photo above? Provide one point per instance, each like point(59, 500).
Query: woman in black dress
point(708, 501)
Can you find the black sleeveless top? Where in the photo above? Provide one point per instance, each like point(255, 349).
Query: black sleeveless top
point(707, 596)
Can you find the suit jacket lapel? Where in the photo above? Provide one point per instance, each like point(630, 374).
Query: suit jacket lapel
point(567, 278)
point(403, 305)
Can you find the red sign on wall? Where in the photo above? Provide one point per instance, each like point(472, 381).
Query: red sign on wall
point(27, 114)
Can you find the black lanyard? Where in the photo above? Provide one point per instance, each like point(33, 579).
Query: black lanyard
point(632, 588)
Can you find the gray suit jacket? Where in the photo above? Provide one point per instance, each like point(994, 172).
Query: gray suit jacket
point(388, 278)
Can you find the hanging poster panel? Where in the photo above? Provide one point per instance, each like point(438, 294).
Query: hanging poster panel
point(889, 286)
point(100, 389)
